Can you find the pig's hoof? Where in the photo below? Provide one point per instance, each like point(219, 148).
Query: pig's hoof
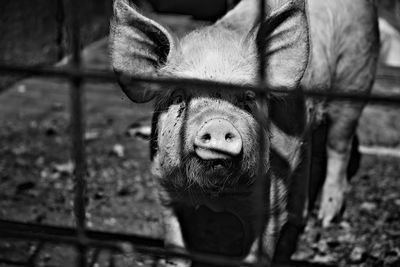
point(332, 202)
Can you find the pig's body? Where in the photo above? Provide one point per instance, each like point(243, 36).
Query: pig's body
point(345, 47)
point(205, 145)
point(344, 53)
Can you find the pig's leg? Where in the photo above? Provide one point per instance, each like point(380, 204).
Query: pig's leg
point(297, 206)
point(354, 73)
point(318, 166)
point(173, 237)
point(343, 121)
point(318, 163)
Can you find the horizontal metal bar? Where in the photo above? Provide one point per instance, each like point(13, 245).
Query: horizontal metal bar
point(108, 76)
point(58, 239)
point(12, 262)
point(68, 235)
point(59, 72)
point(57, 234)
point(107, 240)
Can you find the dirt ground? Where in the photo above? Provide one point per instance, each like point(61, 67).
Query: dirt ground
point(36, 169)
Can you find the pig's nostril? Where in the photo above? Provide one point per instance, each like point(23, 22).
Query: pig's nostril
point(217, 139)
point(206, 137)
point(229, 137)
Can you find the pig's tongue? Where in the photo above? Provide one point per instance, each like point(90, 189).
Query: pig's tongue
point(211, 154)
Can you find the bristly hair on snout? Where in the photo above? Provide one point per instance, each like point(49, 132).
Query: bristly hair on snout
point(211, 174)
point(195, 175)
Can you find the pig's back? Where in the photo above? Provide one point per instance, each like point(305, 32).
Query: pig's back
point(344, 45)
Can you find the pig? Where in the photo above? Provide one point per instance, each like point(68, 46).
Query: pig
point(205, 143)
point(345, 63)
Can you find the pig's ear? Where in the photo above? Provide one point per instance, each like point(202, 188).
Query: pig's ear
point(139, 45)
point(285, 34)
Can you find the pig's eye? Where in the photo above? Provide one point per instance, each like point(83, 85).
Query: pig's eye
point(250, 96)
point(177, 97)
point(249, 101)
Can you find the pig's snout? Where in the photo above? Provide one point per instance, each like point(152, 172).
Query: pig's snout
point(217, 139)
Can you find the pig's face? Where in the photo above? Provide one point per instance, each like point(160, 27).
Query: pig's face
point(206, 141)
point(204, 138)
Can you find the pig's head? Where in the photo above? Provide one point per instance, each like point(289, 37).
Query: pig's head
point(200, 138)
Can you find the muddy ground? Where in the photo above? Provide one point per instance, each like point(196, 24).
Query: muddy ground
point(36, 169)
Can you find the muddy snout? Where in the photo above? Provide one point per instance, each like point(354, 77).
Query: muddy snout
point(217, 139)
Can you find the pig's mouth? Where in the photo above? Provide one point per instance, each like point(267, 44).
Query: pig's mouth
point(217, 165)
point(208, 154)
point(215, 173)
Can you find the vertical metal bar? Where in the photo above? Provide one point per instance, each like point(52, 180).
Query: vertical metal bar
point(261, 46)
point(263, 182)
point(77, 121)
point(60, 20)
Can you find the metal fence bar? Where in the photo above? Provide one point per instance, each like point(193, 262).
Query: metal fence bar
point(77, 122)
point(153, 246)
point(261, 46)
point(57, 238)
point(13, 228)
point(157, 250)
point(12, 262)
point(107, 76)
point(263, 182)
point(385, 73)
